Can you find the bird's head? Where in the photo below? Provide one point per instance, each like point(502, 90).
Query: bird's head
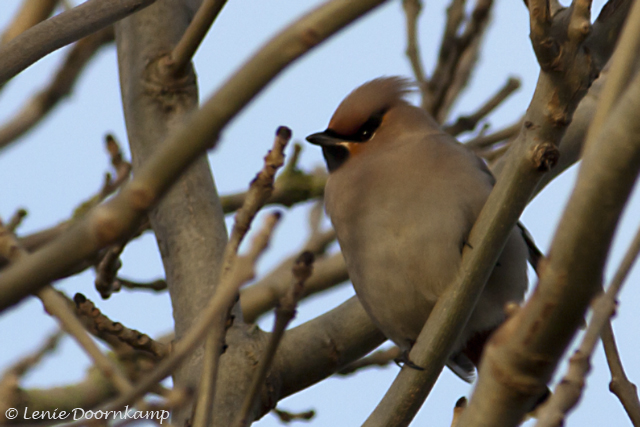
point(359, 117)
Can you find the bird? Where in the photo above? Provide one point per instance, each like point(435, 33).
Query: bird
point(402, 196)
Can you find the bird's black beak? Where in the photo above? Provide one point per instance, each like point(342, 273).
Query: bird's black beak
point(333, 149)
point(324, 139)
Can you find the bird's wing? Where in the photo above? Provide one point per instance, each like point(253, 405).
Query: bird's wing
point(535, 254)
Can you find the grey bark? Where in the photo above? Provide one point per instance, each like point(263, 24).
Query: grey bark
point(188, 222)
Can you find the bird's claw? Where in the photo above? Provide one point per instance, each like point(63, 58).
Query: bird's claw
point(404, 360)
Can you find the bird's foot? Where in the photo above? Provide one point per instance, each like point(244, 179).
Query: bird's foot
point(404, 360)
point(465, 243)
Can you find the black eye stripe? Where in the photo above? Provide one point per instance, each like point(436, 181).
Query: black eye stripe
point(367, 130)
point(364, 133)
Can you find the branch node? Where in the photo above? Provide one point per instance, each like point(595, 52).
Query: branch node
point(545, 156)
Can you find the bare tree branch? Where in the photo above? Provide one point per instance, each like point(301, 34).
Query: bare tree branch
point(452, 48)
point(58, 306)
point(262, 296)
point(260, 190)
point(320, 347)
point(466, 123)
point(60, 86)
point(625, 390)
point(118, 217)
point(30, 13)
point(327, 272)
point(181, 55)
point(485, 141)
point(412, 9)
point(11, 376)
point(522, 355)
point(121, 339)
point(62, 29)
point(285, 312)
point(560, 88)
point(601, 42)
point(16, 220)
point(622, 68)
point(569, 390)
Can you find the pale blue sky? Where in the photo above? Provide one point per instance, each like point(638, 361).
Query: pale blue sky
point(62, 162)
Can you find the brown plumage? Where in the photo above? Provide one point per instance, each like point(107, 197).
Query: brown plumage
point(372, 97)
point(403, 196)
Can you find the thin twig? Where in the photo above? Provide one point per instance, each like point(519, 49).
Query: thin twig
point(290, 189)
point(121, 167)
point(620, 385)
point(119, 216)
point(193, 35)
point(20, 368)
point(452, 49)
point(262, 296)
point(328, 271)
point(58, 306)
point(110, 185)
point(10, 379)
point(568, 392)
point(259, 192)
point(121, 339)
point(412, 9)
point(485, 141)
point(16, 220)
point(493, 155)
point(285, 312)
point(60, 86)
point(468, 43)
point(467, 123)
point(107, 269)
point(60, 30)
point(625, 390)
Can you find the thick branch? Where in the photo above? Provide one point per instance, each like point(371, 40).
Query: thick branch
point(569, 390)
point(523, 354)
point(118, 217)
point(188, 222)
point(557, 94)
point(316, 349)
point(262, 296)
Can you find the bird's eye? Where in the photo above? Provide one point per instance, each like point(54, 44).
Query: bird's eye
point(369, 127)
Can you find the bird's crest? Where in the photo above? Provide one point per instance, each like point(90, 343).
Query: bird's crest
point(371, 99)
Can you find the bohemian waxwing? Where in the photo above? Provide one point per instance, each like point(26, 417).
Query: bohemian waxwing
point(402, 196)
